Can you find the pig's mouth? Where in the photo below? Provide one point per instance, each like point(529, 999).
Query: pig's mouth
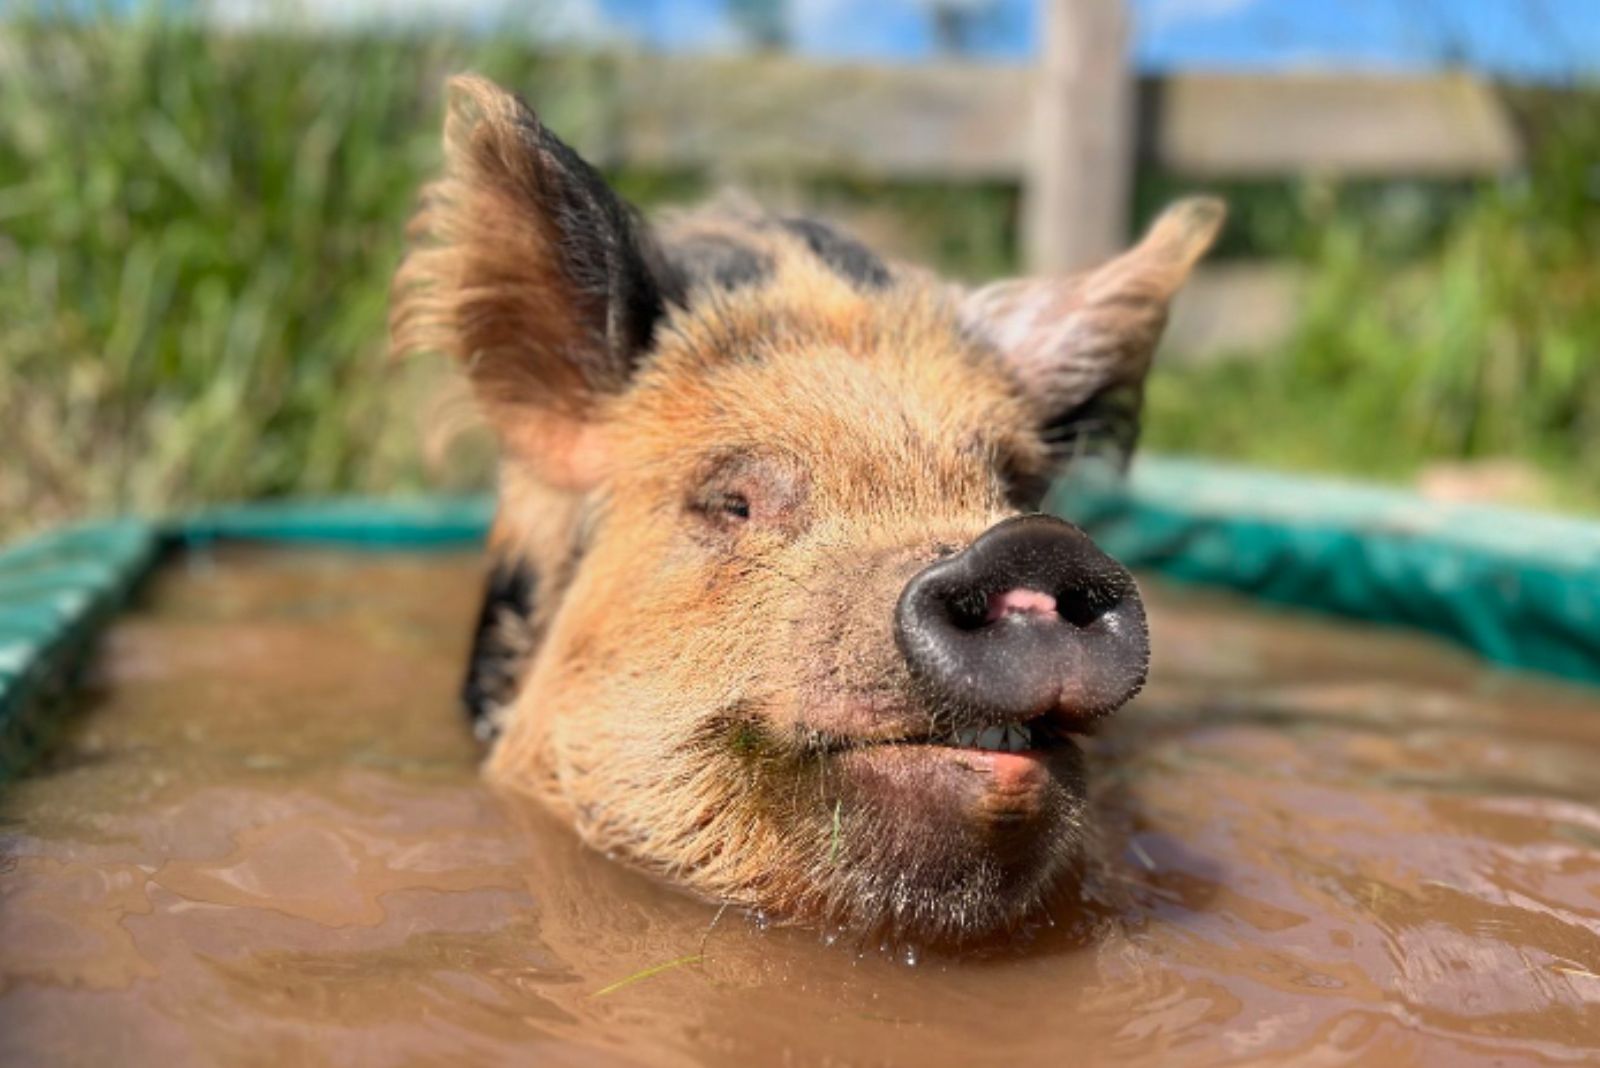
point(975, 804)
point(1038, 735)
point(937, 823)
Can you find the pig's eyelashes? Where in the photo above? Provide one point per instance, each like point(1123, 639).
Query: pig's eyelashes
point(734, 490)
point(726, 508)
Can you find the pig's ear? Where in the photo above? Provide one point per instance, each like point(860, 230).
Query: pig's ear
point(529, 271)
point(1080, 345)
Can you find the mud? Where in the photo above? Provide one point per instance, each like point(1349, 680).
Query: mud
point(264, 842)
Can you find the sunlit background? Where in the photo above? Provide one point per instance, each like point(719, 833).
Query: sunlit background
point(201, 205)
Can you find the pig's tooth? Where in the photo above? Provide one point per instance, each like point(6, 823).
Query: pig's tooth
point(1014, 740)
point(1024, 736)
point(992, 738)
point(966, 736)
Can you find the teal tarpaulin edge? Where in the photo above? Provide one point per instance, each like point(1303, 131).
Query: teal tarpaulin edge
point(56, 594)
point(429, 522)
point(58, 590)
point(1521, 589)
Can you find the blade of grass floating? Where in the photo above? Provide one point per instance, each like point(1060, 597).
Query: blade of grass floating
point(833, 847)
point(639, 976)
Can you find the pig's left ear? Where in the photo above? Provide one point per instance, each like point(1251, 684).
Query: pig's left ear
point(1080, 346)
point(538, 279)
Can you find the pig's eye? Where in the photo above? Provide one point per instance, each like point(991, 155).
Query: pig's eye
point(734, 505)
point(725, 508)
point(737, 490)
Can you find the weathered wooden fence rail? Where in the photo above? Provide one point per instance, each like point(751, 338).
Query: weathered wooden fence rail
point(965, 121)
point(1070, 136)
point(1070, 131)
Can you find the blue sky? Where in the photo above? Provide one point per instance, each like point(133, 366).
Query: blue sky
point(1551, 40)
point(1526, 38)
point(1523, 38)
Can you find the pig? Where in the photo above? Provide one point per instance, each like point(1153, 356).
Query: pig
point(773, 612)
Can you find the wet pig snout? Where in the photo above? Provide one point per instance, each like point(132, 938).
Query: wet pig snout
point(1030, 619)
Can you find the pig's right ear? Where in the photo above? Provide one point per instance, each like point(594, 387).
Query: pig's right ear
point(1079, 346)
point(530, 272)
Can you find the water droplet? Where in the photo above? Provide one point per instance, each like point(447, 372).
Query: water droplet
point(908, 956)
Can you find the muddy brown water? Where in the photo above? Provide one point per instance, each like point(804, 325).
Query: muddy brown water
point(264, 842)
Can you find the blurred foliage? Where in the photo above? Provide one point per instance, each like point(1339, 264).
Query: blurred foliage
point(194, 236)
point(1277, 218)
point(197, 229)
point(1420, 339)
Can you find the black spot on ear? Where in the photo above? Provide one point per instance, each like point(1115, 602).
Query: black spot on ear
point(720, 260)
point(845, 256)
point(1105, 427)
point(504, 641)
point(606, 251)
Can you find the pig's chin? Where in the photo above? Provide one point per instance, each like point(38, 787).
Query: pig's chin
point(955, 843)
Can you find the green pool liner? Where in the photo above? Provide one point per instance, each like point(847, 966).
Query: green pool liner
point(57, 592)
point(422, 523)
point(1521, 589)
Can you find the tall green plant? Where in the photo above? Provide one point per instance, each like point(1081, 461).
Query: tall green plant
point(197, 231)
point(1487, 345)
point(196, 234)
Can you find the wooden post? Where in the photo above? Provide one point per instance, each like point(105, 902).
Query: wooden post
point(1080, 175)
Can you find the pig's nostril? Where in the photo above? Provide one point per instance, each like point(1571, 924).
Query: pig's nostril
point(1082, 608)
point(969, 609)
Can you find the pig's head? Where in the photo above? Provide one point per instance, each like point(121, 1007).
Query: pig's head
point(781, 622)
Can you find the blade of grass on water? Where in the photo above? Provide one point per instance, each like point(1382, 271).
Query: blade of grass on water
point(646, 973)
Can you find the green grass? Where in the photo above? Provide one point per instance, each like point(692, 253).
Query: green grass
point(1485, 344)
point(197, 231)
point(648, 973)
point(195, 235)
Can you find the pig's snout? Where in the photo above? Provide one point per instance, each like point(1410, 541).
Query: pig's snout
point(1031, 619)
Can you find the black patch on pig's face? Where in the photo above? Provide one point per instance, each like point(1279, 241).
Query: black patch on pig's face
point(846, 257)
point(1105, 427)
point(503, 642)
point(722, 261)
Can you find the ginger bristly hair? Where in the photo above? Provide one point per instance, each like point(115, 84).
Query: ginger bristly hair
point(529, 271)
